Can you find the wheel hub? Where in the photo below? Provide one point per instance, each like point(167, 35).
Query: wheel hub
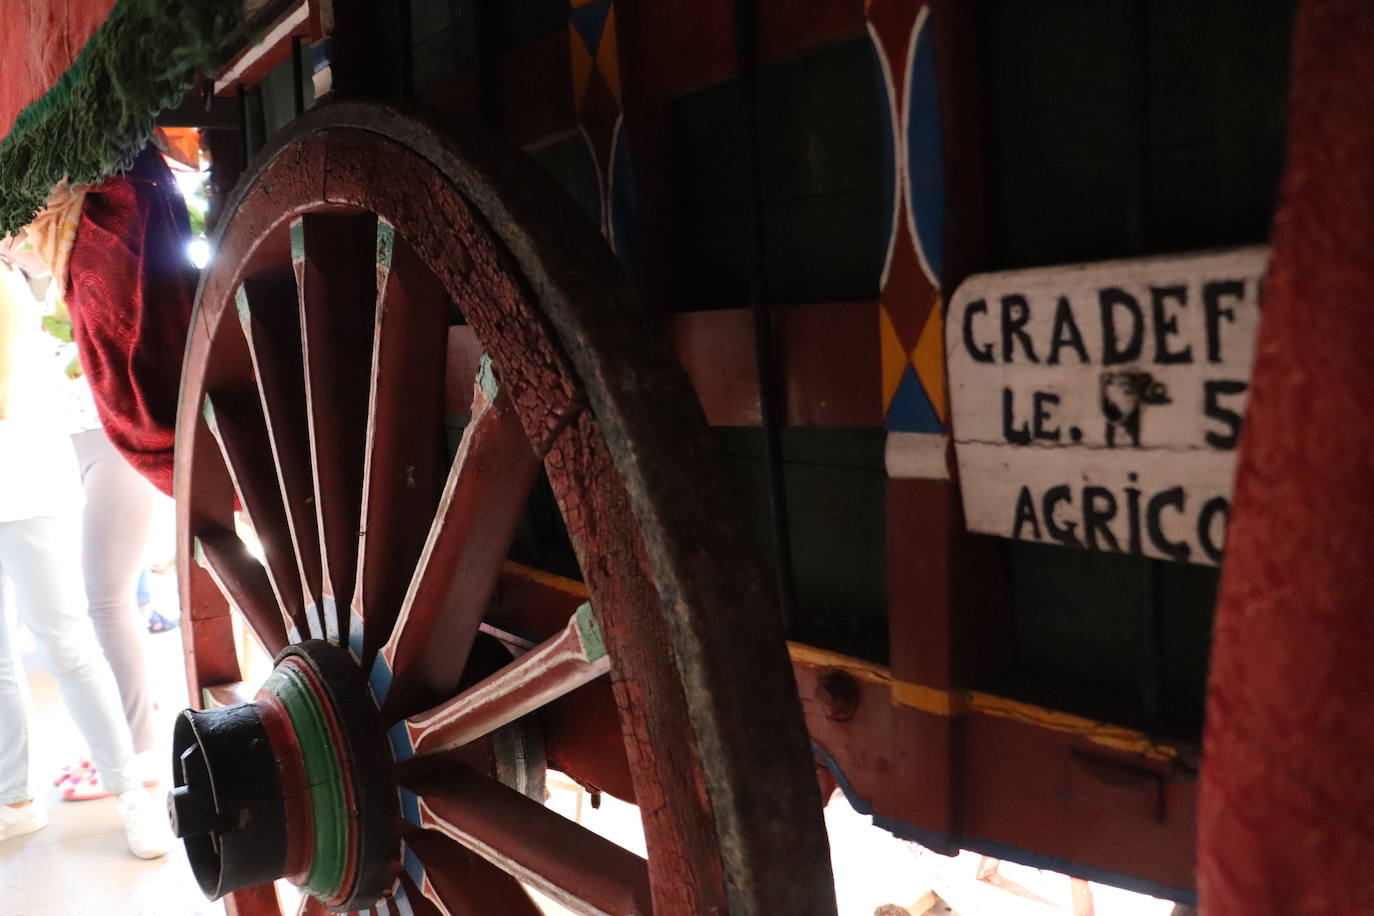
point(294, 784)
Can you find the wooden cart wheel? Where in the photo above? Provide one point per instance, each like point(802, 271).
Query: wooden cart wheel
point(313, 400)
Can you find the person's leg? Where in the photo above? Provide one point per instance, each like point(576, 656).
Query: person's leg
point(14, 731)
point(32, 552)
point(114, 531)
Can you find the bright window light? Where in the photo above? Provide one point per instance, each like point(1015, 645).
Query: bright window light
point(198, 250)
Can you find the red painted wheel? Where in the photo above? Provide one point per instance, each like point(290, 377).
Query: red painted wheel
point(353, 263)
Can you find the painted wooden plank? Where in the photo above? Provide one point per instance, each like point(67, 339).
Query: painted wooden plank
point(1099, 405)
point(559, 858)
point(257, 59)
point(826, 371)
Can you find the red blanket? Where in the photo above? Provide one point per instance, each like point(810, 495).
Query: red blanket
point(39, 39)
point(130, 289)
point(1287, 804)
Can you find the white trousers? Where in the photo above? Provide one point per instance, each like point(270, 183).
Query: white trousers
point(45, 572)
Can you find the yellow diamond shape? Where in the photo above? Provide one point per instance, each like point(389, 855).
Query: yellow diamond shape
point(929, 359)
point(894, 359)
point(607, 59)
point(581, 64)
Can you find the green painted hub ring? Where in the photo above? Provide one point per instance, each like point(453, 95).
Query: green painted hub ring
point(329, 810)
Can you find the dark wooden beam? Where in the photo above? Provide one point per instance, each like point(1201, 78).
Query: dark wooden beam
point(222, 113)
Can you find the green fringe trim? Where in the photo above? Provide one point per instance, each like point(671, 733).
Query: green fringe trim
point(97, 117)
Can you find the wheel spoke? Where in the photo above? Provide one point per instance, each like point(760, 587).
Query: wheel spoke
point(271, 323)
point(581, 870)
point(312, 907)
point(404, 469)
point(230, 694)
point(237, 425)
point(554, 668)
point(253, 901)
point(460, 883)
point(487, 485)
point(208, 642)
point(411, 901)
point(334, 256)
point(244, 582)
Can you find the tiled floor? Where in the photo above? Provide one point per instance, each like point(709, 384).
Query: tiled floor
point(79, 865)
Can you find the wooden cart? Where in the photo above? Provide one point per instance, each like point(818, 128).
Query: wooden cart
point(437, 447)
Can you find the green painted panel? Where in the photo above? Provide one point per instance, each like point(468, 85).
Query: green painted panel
point(1124, 127)
point(1038, 222)
point(1187, 596)
point(836, 500)
point(712, 206)
point(444, 40)
point(821, 203)
point(433, 61)
point(509, 24)
point(429, 17)
point(819, 127)
point(823, 248)
point(1079, 620)
point(570, 163)
point(1055, 80)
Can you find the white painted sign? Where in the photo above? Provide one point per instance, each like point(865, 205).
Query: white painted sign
point(1099, 405)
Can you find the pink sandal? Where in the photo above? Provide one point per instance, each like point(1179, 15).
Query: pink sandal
point(89, 786)
point(71, 771)
point(85, 787)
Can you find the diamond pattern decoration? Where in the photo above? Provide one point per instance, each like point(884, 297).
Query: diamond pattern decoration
point(908, 294)
point(595, 61)
point(589, 21)
point(894, 356)
point(582, 63)
point(608, 54)
point(910, 410)
point(929, 359)
point(912, 349)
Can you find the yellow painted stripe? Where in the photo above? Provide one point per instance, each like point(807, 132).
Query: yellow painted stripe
point(941, 702)
point(559, 583)
point(822, 658)
point(928, 699)
point(1102, 733)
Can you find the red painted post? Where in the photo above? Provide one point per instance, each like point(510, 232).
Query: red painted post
point(1287, 786)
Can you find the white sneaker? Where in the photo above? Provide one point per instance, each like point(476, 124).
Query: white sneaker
point(19, 821)
point(145, 824)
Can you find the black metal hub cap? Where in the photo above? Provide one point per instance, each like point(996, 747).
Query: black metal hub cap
point(294, 784)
